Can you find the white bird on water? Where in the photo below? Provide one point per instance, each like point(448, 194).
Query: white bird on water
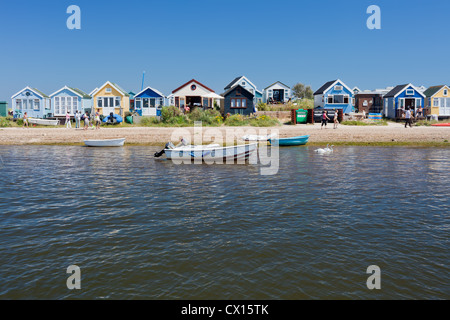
point(328, 149)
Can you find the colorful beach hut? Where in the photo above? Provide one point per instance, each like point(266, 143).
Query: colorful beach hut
point(195, 94)
point(70, 100)
point(238, 100)
point(110, 98)
point(148, 101)
point(437, 101)
point(277, 92)
point(248, 85)
point(401, 97)
point(32, 101)
point(334, 95)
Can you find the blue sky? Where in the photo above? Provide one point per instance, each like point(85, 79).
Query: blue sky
point(215, 41)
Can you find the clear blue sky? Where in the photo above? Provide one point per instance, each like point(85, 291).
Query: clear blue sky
point(215, 41)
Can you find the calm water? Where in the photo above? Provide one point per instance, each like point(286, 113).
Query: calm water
point(145, 229)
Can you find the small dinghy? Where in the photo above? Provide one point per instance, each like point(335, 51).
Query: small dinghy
point(441, 125)
point(105, 142)
point(43, 122)
point(252, 137)
point(294, 141)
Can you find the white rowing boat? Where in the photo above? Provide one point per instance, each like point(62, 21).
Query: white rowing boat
point(105, 142)
point(43, 122)
point(254, 137)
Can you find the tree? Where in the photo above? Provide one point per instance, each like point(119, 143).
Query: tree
point(299, 90)
point(309, 94)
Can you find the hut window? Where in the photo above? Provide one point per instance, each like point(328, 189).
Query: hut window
point(117, 102)
point(108, 90)
point(182, 102)
point(19, 104)
point(145, 105)
point(75, 103)
point(161, 102)
point(436, 102)
point(330, 99)
point(445, 92)
point(100, 102)
point(153, 102)
point(36, 105)
point(138, 103)
point(244, 103)
point(233, 103)
point(206, 102)
point(243, 83)
point(339, 98)
point(338, 88)
point(346, 99)
point(410, 92)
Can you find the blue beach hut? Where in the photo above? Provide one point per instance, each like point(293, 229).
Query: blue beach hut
point(148, 101)
point(70, 100)
point(334, 95)
point(32, 101)
point(402, 97)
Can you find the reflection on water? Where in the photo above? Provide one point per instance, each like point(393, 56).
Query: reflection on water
point(146, 229)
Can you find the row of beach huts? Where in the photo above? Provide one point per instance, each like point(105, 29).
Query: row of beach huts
point(240, 96)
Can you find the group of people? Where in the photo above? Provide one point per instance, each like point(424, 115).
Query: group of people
point(325, 119)
point(93, 118)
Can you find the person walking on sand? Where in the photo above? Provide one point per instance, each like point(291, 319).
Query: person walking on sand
point(408, 118)
point(25, 120)
point(68, 122)
point(335, 119)
point(324, 119)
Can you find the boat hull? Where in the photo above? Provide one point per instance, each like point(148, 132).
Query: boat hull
point(287, 142)
point(441, 125)
point(205, 153)
point(105, 143)
point(43, 122)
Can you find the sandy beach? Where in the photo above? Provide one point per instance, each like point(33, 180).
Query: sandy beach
point(394, 134)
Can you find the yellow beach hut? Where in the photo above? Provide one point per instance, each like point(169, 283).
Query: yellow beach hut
point(110, 98)
point(438, 101)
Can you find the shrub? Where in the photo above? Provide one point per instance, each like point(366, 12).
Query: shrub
point(264, 121)
point(207, 117)
point(236, 120)
point(4, 122)
point(149, 121)
point(171, 114)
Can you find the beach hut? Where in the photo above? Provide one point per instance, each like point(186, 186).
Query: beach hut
point(148, 101)
point(370, 101)
point(132, 95)
point(238, 100)
point(195, 94)
point(3, 108)
point(437, 101)
point(277, 92)
point(334, 95)
point(110, 98)
point(70, 100)
point(248, 85)
point(32, 101)
point(401, 97)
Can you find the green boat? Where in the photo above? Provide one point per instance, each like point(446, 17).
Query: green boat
point(294, 141)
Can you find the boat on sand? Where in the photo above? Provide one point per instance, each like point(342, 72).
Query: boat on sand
point(293, 141)
point(43, 122)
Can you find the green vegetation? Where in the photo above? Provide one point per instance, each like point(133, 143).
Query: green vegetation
point(260, 121)
point(301, 91)
point(364, 123)
point(4, 122)
point(293, 105)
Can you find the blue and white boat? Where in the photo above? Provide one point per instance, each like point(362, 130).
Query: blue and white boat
point(294, 141)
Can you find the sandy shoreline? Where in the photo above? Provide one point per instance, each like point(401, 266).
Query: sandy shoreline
point(394, 134)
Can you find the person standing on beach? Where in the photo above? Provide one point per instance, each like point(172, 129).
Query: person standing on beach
point(68, 122)
point(77, 119)
point(25, 120)
point(97, 120)
point(324, 119)
point(335, 119)
point(86, 120)
point(408, 118)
